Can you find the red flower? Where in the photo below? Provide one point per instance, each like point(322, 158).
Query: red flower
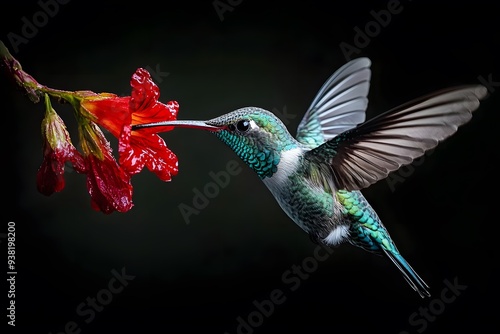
point(107, 183)
point(57, 150)
point(117, 114)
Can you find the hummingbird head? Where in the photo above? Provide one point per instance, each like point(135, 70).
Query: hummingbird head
point(256, 135)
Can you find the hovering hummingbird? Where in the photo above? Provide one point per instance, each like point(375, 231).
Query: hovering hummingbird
point(317, 176)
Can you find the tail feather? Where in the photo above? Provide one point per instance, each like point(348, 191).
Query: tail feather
point(409, 274)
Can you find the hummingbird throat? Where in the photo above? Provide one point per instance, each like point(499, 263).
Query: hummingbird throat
point(263, 161)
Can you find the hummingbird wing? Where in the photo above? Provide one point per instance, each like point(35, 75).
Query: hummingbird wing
point(339, 105)
point(364, 155)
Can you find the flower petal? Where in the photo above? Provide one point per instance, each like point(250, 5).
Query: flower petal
point(157, 113)
point(130, 158)
point(145, 92)
point(144, 104)
point(108, 110)
point(147, 150)
point(50, 175)
point(108, 185)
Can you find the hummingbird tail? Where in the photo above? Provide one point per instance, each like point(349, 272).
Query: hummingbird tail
point(409, 274)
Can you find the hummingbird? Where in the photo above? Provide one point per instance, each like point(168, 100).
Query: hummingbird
point(317, 176)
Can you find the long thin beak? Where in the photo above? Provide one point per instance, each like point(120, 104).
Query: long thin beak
point(181, 124)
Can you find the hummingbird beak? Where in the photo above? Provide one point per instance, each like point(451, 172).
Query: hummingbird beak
point(181, 124)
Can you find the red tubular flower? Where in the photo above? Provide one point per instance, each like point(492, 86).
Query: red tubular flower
point(117, 114)
point(57, 150)
point(107, 183)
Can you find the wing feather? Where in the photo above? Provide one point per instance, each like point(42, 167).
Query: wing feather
point(339, 105)
point(368, 153)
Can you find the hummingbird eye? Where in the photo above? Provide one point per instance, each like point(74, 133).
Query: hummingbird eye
point(243, 125)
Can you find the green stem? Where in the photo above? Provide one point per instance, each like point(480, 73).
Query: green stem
point(68, 96)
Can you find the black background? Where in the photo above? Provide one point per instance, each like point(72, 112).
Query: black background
point(202, 276)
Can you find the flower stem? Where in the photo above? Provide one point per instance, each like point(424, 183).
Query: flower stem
point(4, 52)
point(34, 89)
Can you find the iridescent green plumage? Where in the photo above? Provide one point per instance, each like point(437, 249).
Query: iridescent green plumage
point(367, 232)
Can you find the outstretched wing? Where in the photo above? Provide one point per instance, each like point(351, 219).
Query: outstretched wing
point(339, 105)
point(364, 155)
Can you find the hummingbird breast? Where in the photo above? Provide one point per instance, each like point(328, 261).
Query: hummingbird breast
point(312, 205)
